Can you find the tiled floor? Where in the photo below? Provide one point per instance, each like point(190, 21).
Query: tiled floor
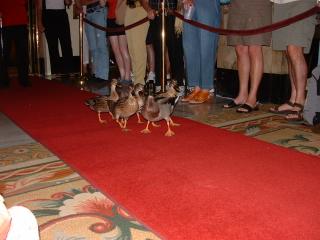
point(34, 177)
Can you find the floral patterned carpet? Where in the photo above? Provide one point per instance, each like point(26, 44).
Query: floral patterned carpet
point(68, 207)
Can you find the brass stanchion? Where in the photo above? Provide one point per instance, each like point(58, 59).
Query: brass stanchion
point(1, 38)
point(83, 78)
point(163, 37)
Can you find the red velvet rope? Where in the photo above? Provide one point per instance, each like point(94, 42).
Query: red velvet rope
point(248, 32)
point(221, 31)
point(118, 29)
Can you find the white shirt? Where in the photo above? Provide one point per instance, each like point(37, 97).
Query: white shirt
point(55, 4)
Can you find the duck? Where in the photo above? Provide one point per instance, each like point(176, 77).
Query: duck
point(105, 103)
point(138, 91)
point(124, 108)
point(160, 107)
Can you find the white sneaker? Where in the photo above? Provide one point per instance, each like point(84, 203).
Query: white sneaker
point(181, 91)
point(151, 76)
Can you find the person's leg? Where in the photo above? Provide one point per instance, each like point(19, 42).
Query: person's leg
point(256, 72)
point(90, 34)
point(52, 40)
point(191, 41)
point(114, 41)
point(175, 51)
point(243, 64)
point(125, 56)
point(136, 42)
point(208, 13)
point(101, 61)
point(7, 44)
point(65, 43)
point(299, 73)
point(151, 62)
point(21, 39)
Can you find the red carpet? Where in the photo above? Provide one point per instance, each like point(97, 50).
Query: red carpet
point(203, 183)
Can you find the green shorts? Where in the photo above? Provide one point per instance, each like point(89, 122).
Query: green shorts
point(299, 33)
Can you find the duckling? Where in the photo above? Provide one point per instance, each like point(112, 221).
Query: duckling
point(172, 90)
point(139, 95)
point(158, 108)
point(102, 104)
point(124, 108)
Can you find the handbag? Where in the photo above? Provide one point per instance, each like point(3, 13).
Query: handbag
point(121, 11)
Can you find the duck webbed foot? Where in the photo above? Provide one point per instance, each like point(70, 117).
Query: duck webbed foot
point(100, 119)
point(169, 132)
point(146, 130)
point(155, 125)
point(172, 123)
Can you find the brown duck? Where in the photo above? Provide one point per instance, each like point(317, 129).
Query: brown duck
point(161, 107)
point(101, 104)
point(124, 108)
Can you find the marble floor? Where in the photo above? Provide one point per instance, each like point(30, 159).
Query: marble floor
point(33, 176)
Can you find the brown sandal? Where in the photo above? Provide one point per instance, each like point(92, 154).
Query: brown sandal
point(296, 115)
point(276, 110)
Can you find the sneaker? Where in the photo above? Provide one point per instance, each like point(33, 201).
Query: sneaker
point(201, 97)
point(181, 91)
point(151, 76)
point(190, 96)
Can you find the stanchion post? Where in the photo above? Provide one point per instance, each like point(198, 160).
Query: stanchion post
point(83, 78)
point(81, 43)
point(1, 38)
point(163, 38)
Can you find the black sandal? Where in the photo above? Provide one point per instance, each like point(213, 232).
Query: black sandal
point(231, 104)
point(245, 108)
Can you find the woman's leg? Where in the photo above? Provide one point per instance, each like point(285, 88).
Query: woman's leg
point(243, 64)
point(115, 45)
point(125, 56)
point(256, 72)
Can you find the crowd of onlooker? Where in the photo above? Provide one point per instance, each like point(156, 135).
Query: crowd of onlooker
point(189, 55)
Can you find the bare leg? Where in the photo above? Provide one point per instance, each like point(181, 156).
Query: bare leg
point(299, 71)
point(243, 63)
point(151, 58)
point(256, 72)
point(288, 106)
point(125, 56)
point(116, 50)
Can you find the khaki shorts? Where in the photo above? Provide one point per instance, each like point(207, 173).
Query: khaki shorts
point(297, 34)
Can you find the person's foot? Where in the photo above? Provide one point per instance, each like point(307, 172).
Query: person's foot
point(247, 108)
point(285, 108)
point(191, 95)
point(200, 97)
point(296, 114)
point(232, 104)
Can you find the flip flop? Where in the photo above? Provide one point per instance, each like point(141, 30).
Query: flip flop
point(232, 104)
point(245, 108)
point(276, 110)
